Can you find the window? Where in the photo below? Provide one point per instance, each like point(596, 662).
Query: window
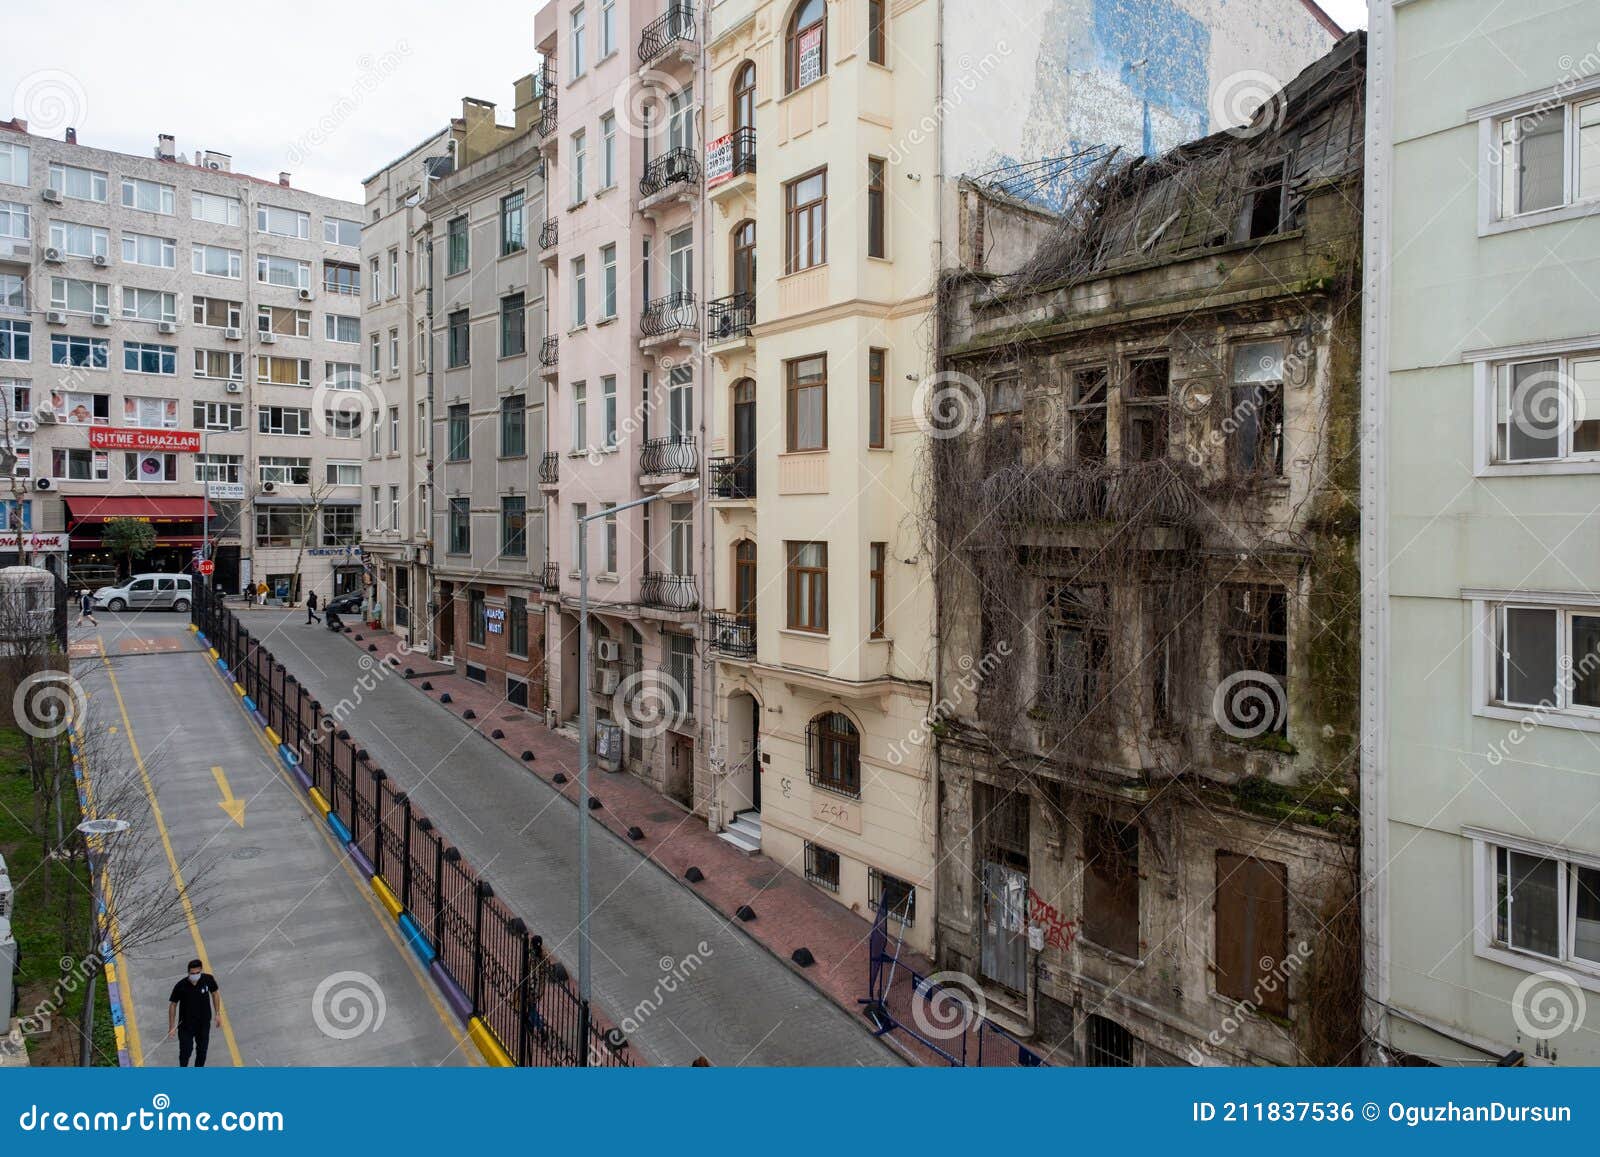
point(514, 526)
point(877, 556)
point(460, 526)
point(680, 538)
point(807, 392)
point(892, 894)
point(147, 466)
point(342, 423)
point(339, 525)
point(458, 438)
point(1548, 410)
point(513, 426)
point(608, 28)
point(217, 313)
point(283, 271)
point(580, 532)
point(580, 416)
point(80, 240)
point(14, 292)
point(149, 304)
point(877, 31)
point(222, 365)
point(14, 220)
point(680, 676)
point(458, 249)
point(375, 354)
point(512, 235)
point(394, 273)
point(218, 467)
point(81, 409)
point(608, 150)
point(394, 349)
point(1144, 436)
point(1257, 416)
point(1548, 657)
point(458, 347)
point(1262, 214)
point(14, 165)
point(833, 754)
point(608, 281)
point(1255, 654)
point(1252, 931)
point(1106, 1044)
point(876, 194)
point(78, 184)
point(1545, 904)
point(338, 231)
point(680, 264)
point(1087, 414)
point(1111, 884)
point(283, 222)
point(150, 413)
point(342, 328)
point(579, 160)
point(394, 507)
point(611, 538)
point(822, 866)
point(148, 196)
point(219, 416)
point(580, 293)
point(80, 465)
point(394, 429)
point(214, 207)
point(805, 209)
point(578, 65)
point(1548, 158)
point(284, 371)
point(806, 45)
point(343, 278)
point(808, 586)
point(284, 322)
point(1074, 656)
point(281, 471)
point(680, 120)
point(74, 296)
point(477, 619)
point(288, 420)
point(91, 353)
point(377, 508)
point(517, 630)
point(16, 340)
point(215, 261)
point(608, 414)
point(513, 326)
point(160, 252)
point(875, 398)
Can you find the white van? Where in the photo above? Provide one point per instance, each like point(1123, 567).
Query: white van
point(147, 592)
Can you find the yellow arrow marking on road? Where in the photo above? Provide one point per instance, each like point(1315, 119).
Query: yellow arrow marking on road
point(234, 807)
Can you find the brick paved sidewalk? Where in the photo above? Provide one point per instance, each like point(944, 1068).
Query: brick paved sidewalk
point(790, 914)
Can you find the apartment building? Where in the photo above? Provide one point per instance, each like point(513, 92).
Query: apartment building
point(484, 402)
point(835, 135)
point(175, 343)
point(622, 250)
point(1482, 472)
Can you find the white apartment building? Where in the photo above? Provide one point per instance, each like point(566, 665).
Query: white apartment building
point(172, 330)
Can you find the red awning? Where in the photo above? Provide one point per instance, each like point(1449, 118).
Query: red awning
point(101, 509)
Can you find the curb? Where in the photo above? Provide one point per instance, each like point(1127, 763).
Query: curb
point(119, 1023)
point(480, 1033)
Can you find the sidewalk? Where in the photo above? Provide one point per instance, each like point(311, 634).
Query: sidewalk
point(790, 914)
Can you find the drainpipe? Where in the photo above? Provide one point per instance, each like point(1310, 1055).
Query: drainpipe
point(706, 692)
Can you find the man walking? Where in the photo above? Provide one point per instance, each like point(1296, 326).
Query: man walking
point(192, 1008)
point(85, 608)
point(261, 593)
point(311, 609)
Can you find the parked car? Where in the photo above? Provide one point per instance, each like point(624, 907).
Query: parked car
point(335, 608)
point(145, 592)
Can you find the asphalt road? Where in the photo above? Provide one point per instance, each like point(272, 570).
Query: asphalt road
point(310, 969)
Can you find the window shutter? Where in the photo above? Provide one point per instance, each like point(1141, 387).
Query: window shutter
point(1251, 908)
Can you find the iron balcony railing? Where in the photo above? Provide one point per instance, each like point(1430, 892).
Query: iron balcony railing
point(730, 317)
point(742, 145)
point(547, 102)
point(733, 477)
point(552, 576)
point(550, 468)
point(677, 24)
point(669, 592)
point(731, 635)
point(549, 353)
point(676, 166)
point(673, 455)
point(549, 232)
point(669, 314)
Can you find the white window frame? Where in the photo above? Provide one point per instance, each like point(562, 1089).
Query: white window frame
point(608, 28)
point(580, 159)
point(1485, 609)
point(580, 417)
point(168, 250)
point(301, 220)
point(235, 365)
point(14, 164)
point(1585, 973)
point(331, 472)
point(1487, 365)
point(265, 262)
point(608, 281)
point(167, 300)
point(16, 220)
point(580, 293)
point(60, 297)
point(232, 209)
point(99, 182)
point(331, 228)
point(166, 195)
point(199, 253)
point(577, 34)
point(1565, 100)
point(608, 151)
point(331, 327)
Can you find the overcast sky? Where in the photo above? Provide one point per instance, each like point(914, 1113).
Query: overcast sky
point(328, 90)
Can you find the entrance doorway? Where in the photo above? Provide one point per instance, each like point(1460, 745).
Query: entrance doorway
point(445, 621)
point(680, 769)
point(744, 753)
point(1004, 854)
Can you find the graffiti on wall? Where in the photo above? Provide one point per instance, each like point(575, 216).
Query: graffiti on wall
point(1059, 932)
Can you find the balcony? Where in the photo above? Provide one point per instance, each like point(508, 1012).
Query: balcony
point(668, 317)
point(669, 592)
point(674, 455)
point(675, 172)
point(549, 353)
point(731, 163)
point(549, 468)
point(549, 234)
point(730, 635)
point(546, 124)
point(673, 31)
point(552, 577)
point(728, 319)
point(733, 479)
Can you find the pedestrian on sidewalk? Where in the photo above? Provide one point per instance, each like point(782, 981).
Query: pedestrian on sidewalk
point(311, 609)
point(85, 608)
point(261, 593)
point(191, 1009)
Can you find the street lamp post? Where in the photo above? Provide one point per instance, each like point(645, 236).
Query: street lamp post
point(585, 729)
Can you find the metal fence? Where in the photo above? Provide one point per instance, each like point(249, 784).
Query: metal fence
point(497, 965)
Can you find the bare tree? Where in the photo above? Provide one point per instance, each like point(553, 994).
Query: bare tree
point(316, 497)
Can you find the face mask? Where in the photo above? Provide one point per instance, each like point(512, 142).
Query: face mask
point(194, 978)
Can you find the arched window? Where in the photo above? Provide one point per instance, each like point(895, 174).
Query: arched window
point(833, 754)
point(744, 259)
point(806, 45)
point(744, 97)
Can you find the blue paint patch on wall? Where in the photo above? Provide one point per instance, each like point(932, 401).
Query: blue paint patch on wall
point(1175, 49)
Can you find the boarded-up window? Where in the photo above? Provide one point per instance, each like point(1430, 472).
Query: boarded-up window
point(1252, 914)
point(1111, 884)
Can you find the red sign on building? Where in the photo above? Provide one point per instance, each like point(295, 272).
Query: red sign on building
point(181, 441)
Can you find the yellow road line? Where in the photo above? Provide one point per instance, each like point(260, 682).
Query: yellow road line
point(166, 843)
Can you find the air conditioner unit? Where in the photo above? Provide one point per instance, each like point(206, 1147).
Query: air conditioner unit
point(26, 425)
point(550, 720)
point(45, 414)
point(232, 335)
point(607, 681)
point(56, 317)
point(44, 484)
point(268, 487)
point(52, 195)
point(608, 650)
point(19, 248)
point(101, 260)
point(268, 337)
point(234, 387)
point(166, 327)
point(101, 319)
point(52, 255)
point(306, 295)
